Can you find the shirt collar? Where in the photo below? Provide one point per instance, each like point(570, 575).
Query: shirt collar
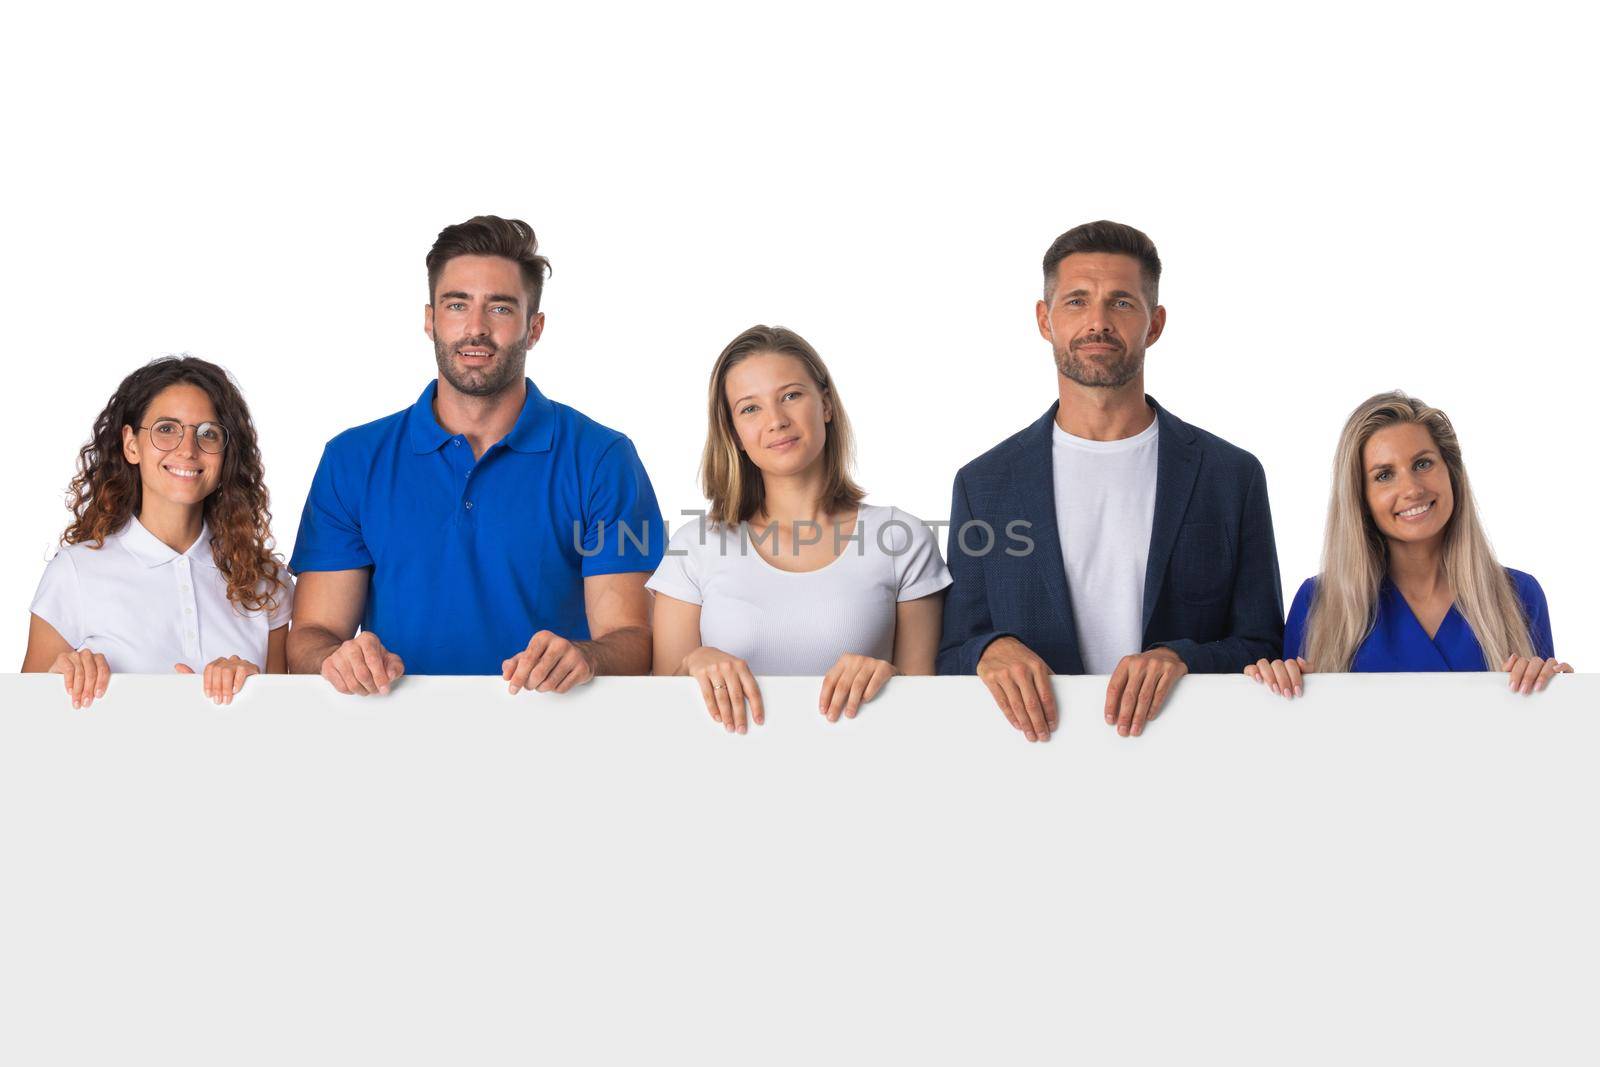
point(532, 432)
point(150, 550)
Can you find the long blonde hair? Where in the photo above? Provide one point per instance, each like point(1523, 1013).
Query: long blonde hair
point(1355, 555)
point(731, 480)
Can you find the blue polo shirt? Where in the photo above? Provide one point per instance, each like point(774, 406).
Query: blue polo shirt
point(470, 558)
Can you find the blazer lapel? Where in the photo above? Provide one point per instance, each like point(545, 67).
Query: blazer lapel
point(1177, 466)
point(1035, 487)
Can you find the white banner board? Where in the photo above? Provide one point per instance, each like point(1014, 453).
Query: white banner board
point(1393, 869)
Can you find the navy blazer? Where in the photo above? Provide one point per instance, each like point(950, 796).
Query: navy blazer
point(1211, 591)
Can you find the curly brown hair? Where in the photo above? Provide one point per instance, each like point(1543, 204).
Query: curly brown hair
point(106, 492)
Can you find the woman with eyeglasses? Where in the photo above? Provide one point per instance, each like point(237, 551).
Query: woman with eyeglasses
point(167, 563)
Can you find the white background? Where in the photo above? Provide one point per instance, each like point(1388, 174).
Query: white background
point(1347, 198)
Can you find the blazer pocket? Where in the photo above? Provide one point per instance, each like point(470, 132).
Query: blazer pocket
point(1202, 563)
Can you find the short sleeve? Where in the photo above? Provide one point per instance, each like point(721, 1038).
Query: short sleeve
point(330, 537)
point(918, 567)
point(285, 596)
point(623, 531)
point(679, 576)
point(57, 601)
point(1537, 611)
point(1294, 630)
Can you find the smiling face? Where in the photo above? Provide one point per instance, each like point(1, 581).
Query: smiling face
point(481, 325)
point(187, 474)
point(779, 412)
point(1099, 319)
point(1408, 489)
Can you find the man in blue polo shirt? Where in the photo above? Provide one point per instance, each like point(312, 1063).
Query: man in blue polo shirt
point(485, 529)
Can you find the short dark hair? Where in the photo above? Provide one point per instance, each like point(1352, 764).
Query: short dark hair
point(491, 235)
point(1104, 236)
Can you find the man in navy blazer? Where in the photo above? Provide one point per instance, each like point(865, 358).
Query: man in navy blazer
point(1110, 537)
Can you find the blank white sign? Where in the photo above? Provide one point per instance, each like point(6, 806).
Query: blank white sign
point(1392, 869)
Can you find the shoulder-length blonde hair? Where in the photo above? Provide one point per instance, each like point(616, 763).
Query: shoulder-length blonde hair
point(1355, 554)
point(731, 481)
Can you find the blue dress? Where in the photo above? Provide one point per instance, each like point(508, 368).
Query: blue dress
point(1399, 643)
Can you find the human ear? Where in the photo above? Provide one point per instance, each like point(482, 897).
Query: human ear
point(1158, 322)
point(1041, 311)
point(427, 320)
point(130, 445)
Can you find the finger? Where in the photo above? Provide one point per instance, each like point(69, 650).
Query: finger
point(1296, 679)
point(69, 677)
point(372, 657)
point(1141, 707)
point(330, 671)
point(394, 665)
point(1044, 684)
point(1551, 667)
point(102, 675)
point(208, 681)
point(1163, 687)
point(841, 693)
point(1530, 674)
point(1281, 680)
point(576, 667)
point(1001, 701)
point(880, 678)
point(1033, 705)
point(240, 673)
point(735, 693)
point(829, 680)
point(1019, 704)
point(1129, 702)
point(708, 696)
point(182, 668)
point(1519, 666)
point(1263, 673)
point(539, 678)
point(1114, 691)
point(858, 691)
point(85, 679)
point(1253, 670)
point(522, 665)
point(358, 671)
point(752, 693)
point(719, 685)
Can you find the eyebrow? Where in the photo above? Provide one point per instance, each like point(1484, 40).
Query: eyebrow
point(785, 385)
point(493, 298)
point(1385, 466)
point(1120, 294)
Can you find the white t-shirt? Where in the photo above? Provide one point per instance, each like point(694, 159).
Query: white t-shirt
point(786, 623)
point(145, 607)
point(1105, 507)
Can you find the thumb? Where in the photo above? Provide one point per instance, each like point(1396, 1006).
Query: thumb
point(183, 668)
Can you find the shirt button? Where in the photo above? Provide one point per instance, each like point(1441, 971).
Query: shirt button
point(469, 505)
point(456, 442)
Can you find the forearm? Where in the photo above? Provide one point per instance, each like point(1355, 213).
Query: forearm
point(308, 646)
point(622, 651)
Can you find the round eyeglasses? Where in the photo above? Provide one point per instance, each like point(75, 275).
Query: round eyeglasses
point(167, 434)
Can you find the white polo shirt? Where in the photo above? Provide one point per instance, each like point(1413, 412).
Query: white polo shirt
point(145, 607)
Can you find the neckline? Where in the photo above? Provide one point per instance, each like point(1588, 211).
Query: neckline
point(861, 512)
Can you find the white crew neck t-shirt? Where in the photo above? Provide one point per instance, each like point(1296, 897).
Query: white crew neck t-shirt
point(782, 622)
point(145, 607)
point(1105, 508)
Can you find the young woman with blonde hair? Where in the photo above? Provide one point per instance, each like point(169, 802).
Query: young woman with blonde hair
point(1409, 582)
point(789, 572)
point(168, 563)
